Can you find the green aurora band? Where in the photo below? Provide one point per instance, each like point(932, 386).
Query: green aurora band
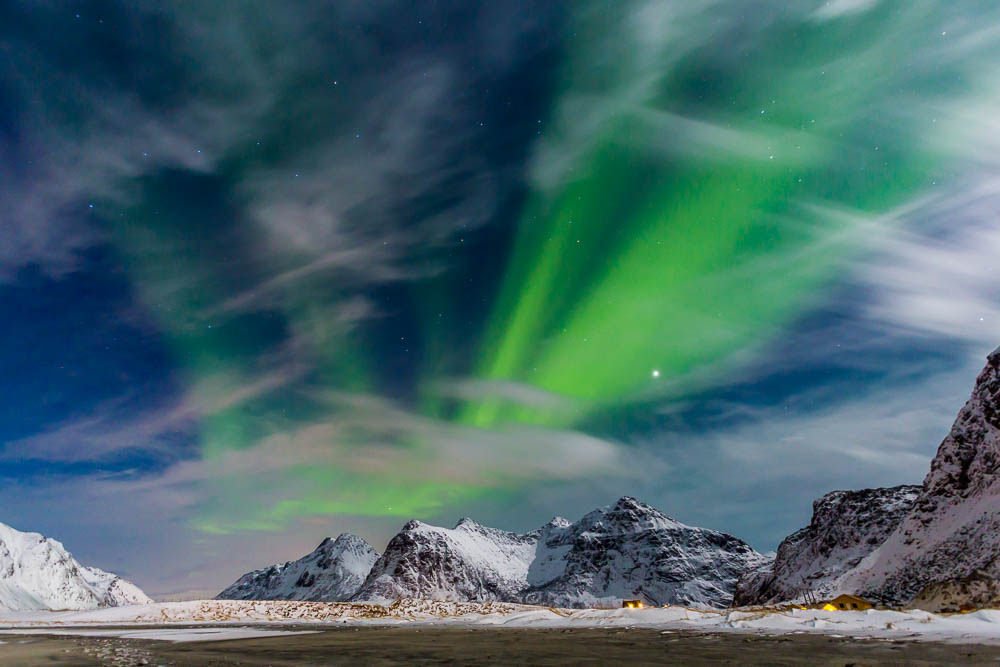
point(712, 203)
point(700, 179)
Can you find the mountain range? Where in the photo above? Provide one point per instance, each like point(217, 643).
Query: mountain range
point(935, 545)
point(625, 550)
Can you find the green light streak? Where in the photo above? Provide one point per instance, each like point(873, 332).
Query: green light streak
point(351, 495)
point(689, 229)
point(692, 195)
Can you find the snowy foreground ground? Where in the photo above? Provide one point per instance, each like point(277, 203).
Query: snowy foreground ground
point(217, 619)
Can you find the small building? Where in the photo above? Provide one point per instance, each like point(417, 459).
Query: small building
point(846, 602)
point(632, 604)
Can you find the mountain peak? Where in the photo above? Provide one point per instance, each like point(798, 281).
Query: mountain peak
point(467, 562)
point(629, 504)
point(333, 571)
point(630, 549)
point(350, 539)
point(39, 573)
point(630, 514)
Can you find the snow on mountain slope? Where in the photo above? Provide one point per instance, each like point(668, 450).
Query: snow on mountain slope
point(333, 572)
point(846, 527)
point(38, 573)
point(631, 550)
point(114, 591)
point(467, 562)
point(626, 550)
point(952, 535)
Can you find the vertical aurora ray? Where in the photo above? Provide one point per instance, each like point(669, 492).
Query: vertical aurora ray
point(698, 179)
point(246, 372)
point(694, 206)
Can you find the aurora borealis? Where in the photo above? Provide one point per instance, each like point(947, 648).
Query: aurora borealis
point(275, 271)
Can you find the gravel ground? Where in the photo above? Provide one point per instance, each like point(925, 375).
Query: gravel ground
point(495, 646)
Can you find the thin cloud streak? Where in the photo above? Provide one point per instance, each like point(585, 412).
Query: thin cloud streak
point(936, 275)
point(113, 430)
point(335, 204)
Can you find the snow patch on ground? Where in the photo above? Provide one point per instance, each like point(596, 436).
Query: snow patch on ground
point(255, 611)
point(168, 634)
point(915, 625)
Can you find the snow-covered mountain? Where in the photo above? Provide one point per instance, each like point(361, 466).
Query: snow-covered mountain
point(632, 550)
point(626, 550)
point(464, 563)
point(333, 572)
point(950, 540)
point(38, 573)
point(936, 545)
point(846, 527)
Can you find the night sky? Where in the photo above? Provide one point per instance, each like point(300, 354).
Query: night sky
point(275, 271)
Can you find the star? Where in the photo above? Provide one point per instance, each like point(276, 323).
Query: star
point(656, 373)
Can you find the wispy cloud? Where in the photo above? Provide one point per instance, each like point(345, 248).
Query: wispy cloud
point(945, 281)
point(834, 9)
point(343, 194)
point(441, 452)
point(124, 425)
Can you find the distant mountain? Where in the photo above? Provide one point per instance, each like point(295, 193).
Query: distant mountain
point(625, 550)
point(38, 573)
point(632, 550)
point(846, 527)
point(333, 572)
point(467, 562)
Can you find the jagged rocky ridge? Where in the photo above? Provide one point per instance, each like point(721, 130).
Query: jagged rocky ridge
point(333, 572)
point(631, 550)
point(846, 527)
point(469, 562)
point(37, 573)
point(936, 546)
point(626, 550)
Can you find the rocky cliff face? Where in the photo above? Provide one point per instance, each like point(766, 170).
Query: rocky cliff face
point(631, 550)
point(846, 527)
point(936, 546)
point(951, 537)
point(333, 572)
point(467, 562)
point(38, 573)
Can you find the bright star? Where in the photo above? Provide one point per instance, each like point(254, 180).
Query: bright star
point(656, 373)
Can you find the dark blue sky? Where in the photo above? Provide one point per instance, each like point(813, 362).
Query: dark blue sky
point(271, 273)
